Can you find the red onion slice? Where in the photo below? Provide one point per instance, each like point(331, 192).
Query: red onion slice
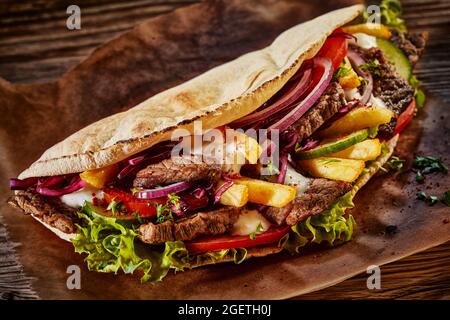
point(344, 35)
point(283, 169)
point(310, 99)
point(291, 96)
point(164, 191)
point(18, 184)
point(356, 61)
point(50, 181)
point(75, 184)
point(199, 193)
point(289, 139)
point(227, 185)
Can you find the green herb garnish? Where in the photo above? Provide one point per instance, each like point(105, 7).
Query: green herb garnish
point(373, 67)
point(395, 163)
point(259, 229)
point(116, 206)
point(430, 200)
point(427, 165)
point(163, 213)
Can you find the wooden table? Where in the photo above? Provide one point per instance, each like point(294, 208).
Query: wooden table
point(32, 51)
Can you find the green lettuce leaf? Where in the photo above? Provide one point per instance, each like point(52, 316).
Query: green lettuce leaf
point(329, 226)
point(111, 247)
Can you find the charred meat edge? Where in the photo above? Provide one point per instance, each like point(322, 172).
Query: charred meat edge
point(177, 169)
point(49, 210)
point(215, 222)
point(319, 195)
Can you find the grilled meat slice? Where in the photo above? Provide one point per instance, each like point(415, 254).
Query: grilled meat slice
point(328, 105)
point(412, 44)
point(202, 224)
point(176, 170)
point(278, 215)
point(49, 210)
point(318, 196)
point(394, 91)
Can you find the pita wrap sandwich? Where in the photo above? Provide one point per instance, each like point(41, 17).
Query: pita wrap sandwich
point(262, 154)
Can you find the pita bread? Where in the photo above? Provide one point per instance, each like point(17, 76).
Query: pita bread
point(217, 97)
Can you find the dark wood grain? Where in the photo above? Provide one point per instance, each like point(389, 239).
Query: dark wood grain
point(35, 46)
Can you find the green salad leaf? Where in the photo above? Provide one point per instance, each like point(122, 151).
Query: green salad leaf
point(391, 12)
point(329, 226)
point(111, 247)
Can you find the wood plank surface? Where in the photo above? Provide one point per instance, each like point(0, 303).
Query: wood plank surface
point(34, 49)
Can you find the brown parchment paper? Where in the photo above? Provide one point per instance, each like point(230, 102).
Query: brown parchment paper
point(159, 54)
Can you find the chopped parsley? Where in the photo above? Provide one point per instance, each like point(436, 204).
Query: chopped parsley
point(429, 199)
point(395, 163)
point(116, 206)
point(427, 165)
point(373, 67)
point(342, 71)
point(163, 213)
point(259, 229)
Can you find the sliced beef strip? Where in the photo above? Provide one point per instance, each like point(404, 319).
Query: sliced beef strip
point(395, 92)
point(412, 44)
point(328, 105)
point(318, 196)
point(49, 210)
point(175, 170)
point(278, 215)
point(214, 222)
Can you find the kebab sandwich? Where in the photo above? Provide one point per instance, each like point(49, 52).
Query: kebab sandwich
point(299, 127)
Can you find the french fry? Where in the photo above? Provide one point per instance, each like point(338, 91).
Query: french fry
point(334, 168)
point(235, 196)
point(367, 150)
point(249, 147)
point(373, 29)
point(357, 119)
point(267, 193)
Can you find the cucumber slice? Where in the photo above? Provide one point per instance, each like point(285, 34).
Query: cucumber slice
point(396, 57)
point(334, 146)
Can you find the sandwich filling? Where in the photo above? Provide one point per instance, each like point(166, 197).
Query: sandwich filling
point(325, 131)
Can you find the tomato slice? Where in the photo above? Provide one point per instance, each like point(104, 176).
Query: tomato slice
point(334, 49)
point(214, 243)
point(405, 117)
point(147, 208)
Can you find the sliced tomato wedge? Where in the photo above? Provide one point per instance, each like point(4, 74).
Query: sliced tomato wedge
point(334, 49)
point(214, 243)
point(405, 117)
point(147, 208)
